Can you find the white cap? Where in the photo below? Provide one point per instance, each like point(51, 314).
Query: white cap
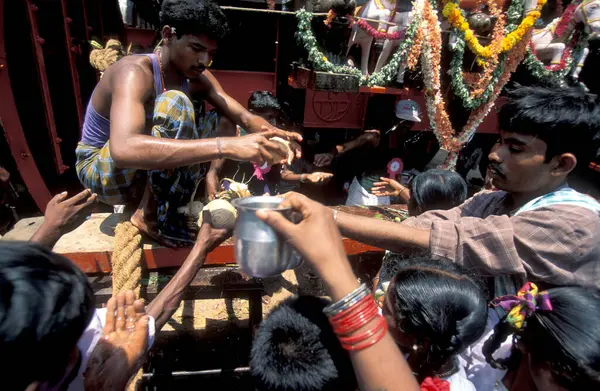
point(409, 110)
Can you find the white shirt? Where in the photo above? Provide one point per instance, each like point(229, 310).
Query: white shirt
point(483, 376)
point(89, 339)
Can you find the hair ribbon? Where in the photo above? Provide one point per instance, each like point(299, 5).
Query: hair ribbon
point(527, 301)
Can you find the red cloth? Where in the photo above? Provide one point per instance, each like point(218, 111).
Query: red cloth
point(435, 384)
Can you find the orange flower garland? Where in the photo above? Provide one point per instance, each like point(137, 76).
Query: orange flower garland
point(452, 13)
point(436, 107)
point(491, 63)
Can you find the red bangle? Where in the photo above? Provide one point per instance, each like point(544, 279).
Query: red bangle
point(350, 325)
point(377, 333)
point(350, 310)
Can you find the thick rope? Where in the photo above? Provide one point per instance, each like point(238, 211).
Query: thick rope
point(127, 269)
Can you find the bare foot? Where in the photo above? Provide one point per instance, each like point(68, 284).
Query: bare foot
point(144, 219)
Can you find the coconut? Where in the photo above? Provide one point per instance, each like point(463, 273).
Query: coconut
point(222, 213)
point(286, 144)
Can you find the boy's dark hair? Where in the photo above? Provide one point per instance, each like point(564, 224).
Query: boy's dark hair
point(438, 189)
point(566, 119)
point(196, 17)
point(46, 303)
point(295, 349)
point(441, 306)
point(567, 337)
point(263, 100)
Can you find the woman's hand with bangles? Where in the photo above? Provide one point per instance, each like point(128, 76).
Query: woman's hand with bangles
point(316, 237)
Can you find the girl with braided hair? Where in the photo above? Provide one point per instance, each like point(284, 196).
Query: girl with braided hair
point(555, 344)
point(434, 312)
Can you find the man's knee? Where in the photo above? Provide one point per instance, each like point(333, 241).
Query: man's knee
point(173, 104)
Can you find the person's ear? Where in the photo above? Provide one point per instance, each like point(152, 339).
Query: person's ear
point(168, 34)
point(563, 164)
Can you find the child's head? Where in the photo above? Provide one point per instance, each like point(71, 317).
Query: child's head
point(295, 349)
point(434, 311)
point(265, 105)
point(436, 189)
point(559, 341)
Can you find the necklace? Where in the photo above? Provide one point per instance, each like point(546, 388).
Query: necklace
point(162, 73)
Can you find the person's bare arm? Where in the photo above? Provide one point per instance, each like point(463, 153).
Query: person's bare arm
point(368, 137)
point(131, 146)
point(380, 366)
point(169, 298)
point(62, 216)
point(228, 106)
point(384, 234)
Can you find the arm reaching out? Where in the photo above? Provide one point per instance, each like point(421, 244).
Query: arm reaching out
point(368, 137)
point(62, 216)
point(168, 300)
point(132, 147)
point(380, 366)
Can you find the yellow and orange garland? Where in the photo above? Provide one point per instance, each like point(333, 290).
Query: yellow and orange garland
point(452, 13)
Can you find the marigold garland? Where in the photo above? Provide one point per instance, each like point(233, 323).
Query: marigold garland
point(453, 14)
point(367, 28)
point(438, 116)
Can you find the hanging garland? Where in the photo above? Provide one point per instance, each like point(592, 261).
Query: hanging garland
point(556, 73)
point(405, 50)
point(367, 28)
point(436, 107)
point(483, 88)
point(452, 13)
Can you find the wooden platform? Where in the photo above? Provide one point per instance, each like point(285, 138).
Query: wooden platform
point(90, 245)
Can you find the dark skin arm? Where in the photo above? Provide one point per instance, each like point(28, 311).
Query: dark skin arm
point(132, 147)
point(168, 300)
point(384, 234)
point(62, 216)
point(368, 137)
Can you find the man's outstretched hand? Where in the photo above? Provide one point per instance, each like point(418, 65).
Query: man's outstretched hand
point(64, 215)
point(120, 351)
point(260, 149)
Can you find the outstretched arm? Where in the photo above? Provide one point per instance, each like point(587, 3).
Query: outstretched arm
point(380, 366)
point(168, 300)
point(384, 234)
point(368, 137)
point(132, 147)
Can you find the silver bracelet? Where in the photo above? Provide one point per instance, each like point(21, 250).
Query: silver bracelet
point(347, 301)
point(335, 215)
point(220, 155)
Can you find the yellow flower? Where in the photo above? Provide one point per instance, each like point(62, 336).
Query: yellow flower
point(464, 26)
point(469, 35)
point(324, 59)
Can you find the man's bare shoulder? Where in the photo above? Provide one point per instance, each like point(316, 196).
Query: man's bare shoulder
point(131, 68)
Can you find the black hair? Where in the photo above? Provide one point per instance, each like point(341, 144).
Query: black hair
point(196, 17)
point(567, 337)
point(263, 100)
point(441, 306)
point(566, 119)
point(438, 189)
point(295, 349)
point(46, 303)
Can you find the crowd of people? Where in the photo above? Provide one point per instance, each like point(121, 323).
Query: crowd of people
point(499, 291)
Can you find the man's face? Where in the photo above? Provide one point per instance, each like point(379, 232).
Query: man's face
point(517, 163)
point(404, 125)
point(192, 54)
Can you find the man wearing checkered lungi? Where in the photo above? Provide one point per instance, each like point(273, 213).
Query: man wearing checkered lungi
point(141, 141)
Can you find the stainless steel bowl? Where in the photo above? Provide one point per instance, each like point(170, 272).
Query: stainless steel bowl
point(259, 250)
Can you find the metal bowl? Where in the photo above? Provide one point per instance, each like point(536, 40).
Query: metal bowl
point(259, 250)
